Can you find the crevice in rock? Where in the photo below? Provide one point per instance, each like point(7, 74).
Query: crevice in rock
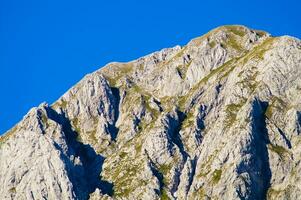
point(299, 122)
point(112, 127)
point(85, 176)
point(200, 123)
point(179, 73)
point(176, 139)
point(262, 142)
point(257, 166)
point(159, 176)
point(175, 133)
point(287, 141)
point(191, 176)
point(156, 173)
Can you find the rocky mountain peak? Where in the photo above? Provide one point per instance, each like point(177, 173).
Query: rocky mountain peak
point(218, 118)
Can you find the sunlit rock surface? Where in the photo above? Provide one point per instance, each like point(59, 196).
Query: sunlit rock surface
point(219, 118)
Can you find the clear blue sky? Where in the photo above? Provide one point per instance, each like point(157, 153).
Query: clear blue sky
point(46, 46)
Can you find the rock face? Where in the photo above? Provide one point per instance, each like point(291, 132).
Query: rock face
point(219, 118)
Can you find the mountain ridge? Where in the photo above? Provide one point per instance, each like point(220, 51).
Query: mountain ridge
point(217, 118)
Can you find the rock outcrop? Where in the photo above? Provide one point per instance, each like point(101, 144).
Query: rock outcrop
point(219, 118)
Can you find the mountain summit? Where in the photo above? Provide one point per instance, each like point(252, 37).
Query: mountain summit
point(219, 118)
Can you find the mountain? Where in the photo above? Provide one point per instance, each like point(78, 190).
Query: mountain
point(219, 118)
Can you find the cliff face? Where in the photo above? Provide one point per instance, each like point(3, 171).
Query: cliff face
point(219, 118)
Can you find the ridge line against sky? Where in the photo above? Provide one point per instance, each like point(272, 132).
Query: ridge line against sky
point(48, 46)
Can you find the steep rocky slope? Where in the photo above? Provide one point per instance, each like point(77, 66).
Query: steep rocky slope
point(219, 118)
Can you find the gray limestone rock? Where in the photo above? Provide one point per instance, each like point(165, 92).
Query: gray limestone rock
point(219, 118)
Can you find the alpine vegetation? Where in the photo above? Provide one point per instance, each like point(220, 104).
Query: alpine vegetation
point(218, 118)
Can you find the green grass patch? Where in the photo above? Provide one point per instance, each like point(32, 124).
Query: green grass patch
point(63, 103)
point(120, 71)
point(7, 135)
point(155, 113)
point(269, 112)
point(272, 193)
point(206, 165)
point(276, 105)
point(181, 71)
point(259, 51)
point(203, 173)
point(217, 174)
point(281, 151)
point(122, 155)
point(92, 136)
point(164, 195)
point(12, 190)
point(182, 101)
point(237, 30)
point(249, 82)
point(76, 128)
point(165, 168)
point(231, 111)
point(200, 193)
point(127, 182)
point(138, 147)
point(44, 120)
point(75, 123)
point(212, 44)
point(189, 120)
point(60, 104)
point(177, 56)
point(232, 42)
